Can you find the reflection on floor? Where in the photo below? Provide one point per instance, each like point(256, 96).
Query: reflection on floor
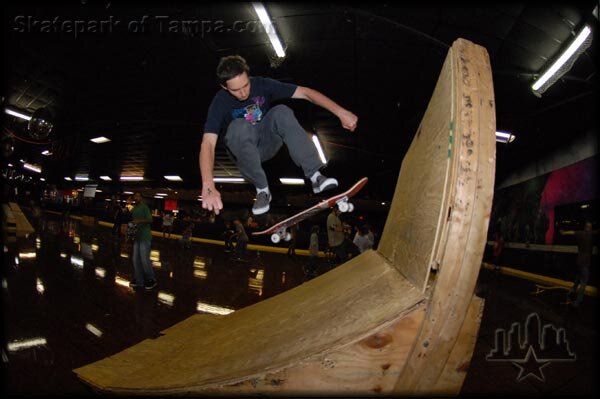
point(67, 302)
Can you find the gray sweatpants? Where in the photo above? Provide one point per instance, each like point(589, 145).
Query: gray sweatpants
point(251, 145)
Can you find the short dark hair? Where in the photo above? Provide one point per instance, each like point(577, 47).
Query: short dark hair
point(231, 66)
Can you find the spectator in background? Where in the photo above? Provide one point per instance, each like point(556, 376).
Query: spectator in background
point(167, 224)
point(117, 220)
point(497, 250)
point(585, 246)
point(313, 249)
point(241, 238)
point(142, 267)
point(186, 236)
point(292, 244)
point(362, 239)
point(229, 235)
point(335, 235)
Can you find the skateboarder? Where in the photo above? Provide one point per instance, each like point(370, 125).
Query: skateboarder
point(253, 132)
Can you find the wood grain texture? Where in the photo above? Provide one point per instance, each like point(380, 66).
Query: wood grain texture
point(413, 223)
point(470, 198)
point(457, 366)
point(340, 307)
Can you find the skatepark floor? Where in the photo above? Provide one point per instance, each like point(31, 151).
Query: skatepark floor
point(66, 303)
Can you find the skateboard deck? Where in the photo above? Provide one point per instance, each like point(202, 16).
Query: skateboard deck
point(542, 288)
point(279, 230)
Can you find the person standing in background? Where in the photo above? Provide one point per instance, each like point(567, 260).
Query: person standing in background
point(585, 247)
point(142, 267)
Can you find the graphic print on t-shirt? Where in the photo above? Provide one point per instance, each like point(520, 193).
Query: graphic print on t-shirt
point(252, 113)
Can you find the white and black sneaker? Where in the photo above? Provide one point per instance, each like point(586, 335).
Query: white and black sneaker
point(323, 183)
point(133, 284)
point(261, 205)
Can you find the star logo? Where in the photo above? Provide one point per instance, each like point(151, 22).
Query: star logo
point(530, 366)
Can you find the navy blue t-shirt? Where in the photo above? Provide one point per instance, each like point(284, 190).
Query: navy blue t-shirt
point(263, 91)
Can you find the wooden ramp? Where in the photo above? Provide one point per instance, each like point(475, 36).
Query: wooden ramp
point(378, 324)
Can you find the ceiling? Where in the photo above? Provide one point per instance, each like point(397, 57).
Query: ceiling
point(148, 91)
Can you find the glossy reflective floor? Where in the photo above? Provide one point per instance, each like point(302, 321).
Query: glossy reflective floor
point(66, 302)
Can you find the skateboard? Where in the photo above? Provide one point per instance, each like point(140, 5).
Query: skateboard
point(279, 231)
point(542, 288)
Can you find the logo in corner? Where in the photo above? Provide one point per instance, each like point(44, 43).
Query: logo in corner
point(531, 348)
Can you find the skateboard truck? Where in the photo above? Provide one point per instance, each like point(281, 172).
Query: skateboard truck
point(281, 234)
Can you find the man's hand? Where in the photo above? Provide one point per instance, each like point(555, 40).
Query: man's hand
point(348, 120)
point(211, 199)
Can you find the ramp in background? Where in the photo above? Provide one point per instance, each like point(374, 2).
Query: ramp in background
point(380, 323)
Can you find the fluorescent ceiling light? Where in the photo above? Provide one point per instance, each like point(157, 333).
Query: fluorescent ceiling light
point(291, 181)
point(581, 39)
point(17, 114)
point(81, 178)
point(269, 28)
point(25, 344)
point(317, 143)
point(93, 329)
point(161, 194)
point(46, 152)
point(228, 179)
point(100, 140)
point(32, 167)
point(106, 178)
point(173, 178)
point(42, 179)
point(127, 192)
point(159, 197)
point(132, 178)
point(503, 137)
point(67, 178)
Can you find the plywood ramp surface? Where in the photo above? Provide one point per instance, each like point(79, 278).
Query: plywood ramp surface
point(341, 307)
point(379, 323)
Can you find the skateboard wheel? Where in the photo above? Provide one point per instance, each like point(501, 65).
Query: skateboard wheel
point(350, 207)
point(275, 238)
point(343, 207)
point(287, 236)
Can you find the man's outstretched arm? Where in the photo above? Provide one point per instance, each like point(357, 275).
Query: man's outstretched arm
point(211, 198)
point(347, 118)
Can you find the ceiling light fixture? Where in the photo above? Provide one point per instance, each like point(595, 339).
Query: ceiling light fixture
point(228, 179)
point(564, 63)
point(132, 178)
point(100, 140)
point(46, 152)
point(173, 178)
point(261, 11)
point(317, 143)
point(106, 178)
point(293, 181)
point(17, 114)
point(503, 137)
point(32, 167)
